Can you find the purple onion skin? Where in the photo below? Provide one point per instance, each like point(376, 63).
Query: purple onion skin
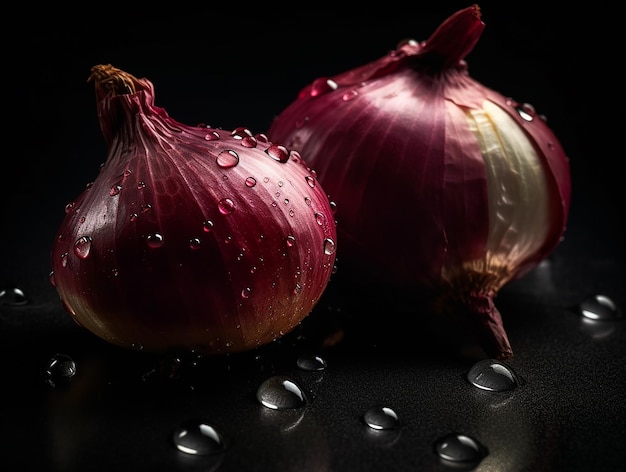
point(190, 237)
point(389, 141)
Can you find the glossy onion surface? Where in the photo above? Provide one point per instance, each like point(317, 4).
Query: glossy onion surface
point(440, 181)
point(190, 237)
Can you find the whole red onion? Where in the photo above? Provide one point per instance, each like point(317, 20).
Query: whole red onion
point(190, 237)
point(440, 182)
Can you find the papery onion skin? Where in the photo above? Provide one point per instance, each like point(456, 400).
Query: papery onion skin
point(440, 182)
point(190, 237)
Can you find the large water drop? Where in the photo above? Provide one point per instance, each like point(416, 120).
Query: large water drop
point(280, 393)
point(198, 437)
point(492, 375)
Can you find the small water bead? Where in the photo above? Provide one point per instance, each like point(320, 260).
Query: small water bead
point(350, 95)
point(493, 375)
point(13, 296)
point(61, 369)
point(310, 180)
point(226, 206)
point(249, 142)
point(280, 393)
point(198, 437)
point(227, 159)
point(291, 240)
point(212, 136)
point(329, 246)
point(155, 240)
point(526, 111)
point(245, 293)
point(82, 247)
point(278, 153)
point(311, 362)
point(194, 243)
point(321, 86)
point(600, 308)
point(320, 218)
point(250, 182)
point(64, 259)
point(381, 418)
point(207, 226)
point(459, 448)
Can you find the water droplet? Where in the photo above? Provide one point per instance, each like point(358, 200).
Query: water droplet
point(250, 182)
point(241, 132)
point(459, 448)
point(381, 417)
point(13, 296)
point(134, 216)
point(600, 308)
point(227, 159)
point(194, 243)
point(278, 153)
point(64, 259)
point(320, 218)
point(307, 200)
point(146, 208)
point(249, 142)
point(291, 240)
point(198, 437)
point(262, 138)
point(349, 95)
point(82, 247)
point(280, 393)
point(245, 293)
point(311, 362)
point(226, 206)
point(155, 240)
point(329, 246)
point(492, 375)
point(61, 369)
point(207, 226)
point(322, 85)
point(69, 207)
point(310, 180)
point(212, 136)
point(526, 111)
point(141, 184)
point(115, 189)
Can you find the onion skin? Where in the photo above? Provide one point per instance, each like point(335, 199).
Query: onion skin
point(441, 183)
point(173, 246)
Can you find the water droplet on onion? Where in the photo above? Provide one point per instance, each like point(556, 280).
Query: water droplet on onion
point(227, 159)
point(155, 240)
point(82, 247)
point(226, 206)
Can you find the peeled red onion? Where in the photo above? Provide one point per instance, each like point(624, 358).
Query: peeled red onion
point(190, 237)
point(440, 182)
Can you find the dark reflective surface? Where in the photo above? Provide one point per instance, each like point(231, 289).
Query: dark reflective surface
point(120, 409)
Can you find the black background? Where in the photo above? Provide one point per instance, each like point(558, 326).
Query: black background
point(235, 65)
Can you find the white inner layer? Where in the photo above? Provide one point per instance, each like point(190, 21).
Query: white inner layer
point(517, 189)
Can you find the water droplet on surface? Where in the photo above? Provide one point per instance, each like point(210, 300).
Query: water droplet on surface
point(350, 95)
point(381, 417)
point(155, 240)
point(64, 259)
point(207, 226)
point(320, 218)
point(492, 375)
point(459, 448)
point(13, 296)
point(61, 369)
point(227, 159)
point(278, 153)
point(322, 85)
point(311, 362)
point(194, 243)
point(226, 206)
point(310, 180)
point(329, 246)
point(280, 393)
point(526, 111)
point(198, 437)
point(249, 142)
point(82, 247)
point(250, 182)
point(291, 240)
point(212, 136)
point(600, 308)
point(245, 293)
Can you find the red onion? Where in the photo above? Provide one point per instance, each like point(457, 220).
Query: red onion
point(440, 182)
point(190, 237)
